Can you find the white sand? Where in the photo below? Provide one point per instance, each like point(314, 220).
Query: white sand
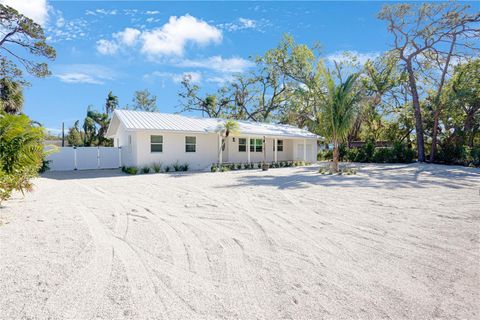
point(395, 241)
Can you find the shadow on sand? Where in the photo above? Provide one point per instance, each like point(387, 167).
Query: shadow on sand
point(105, 173)
point(371, 176)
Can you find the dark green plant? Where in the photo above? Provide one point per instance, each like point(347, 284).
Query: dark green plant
point(167, 169)
point(214, 168)
point(157, 167)
point(146, 170)
point(176, 166)
point(131, 170)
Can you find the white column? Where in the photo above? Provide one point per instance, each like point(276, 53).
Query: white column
point(119, 156)
point(74, 158)
point(248, 149)
point(304, 149)
point(98, 157)
point(220, 149)
point(275, 144)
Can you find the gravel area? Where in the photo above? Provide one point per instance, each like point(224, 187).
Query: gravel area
point(392, 242)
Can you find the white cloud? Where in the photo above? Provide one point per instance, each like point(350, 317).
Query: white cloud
point(217, 63)
point(245, 23)
point(152, 12)
point(196, 77)
point(107, 47)
point(84, 73)
point(173, 36)
point(37, 10)
point(352, 56)
point(168, 40)
point(128, 37)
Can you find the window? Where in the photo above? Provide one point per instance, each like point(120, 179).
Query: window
point(156, 143)
point(256, 145)
point(242, 145)
point(190, 144)
point(279, 145)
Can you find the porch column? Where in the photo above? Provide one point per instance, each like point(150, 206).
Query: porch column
point(248, 149)
point(220, 149)
point(275, 144)
point(304, 149)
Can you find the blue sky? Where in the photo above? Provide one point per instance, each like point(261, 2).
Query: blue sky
point(127, 46)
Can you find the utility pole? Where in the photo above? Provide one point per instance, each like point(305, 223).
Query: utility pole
point(63, 134)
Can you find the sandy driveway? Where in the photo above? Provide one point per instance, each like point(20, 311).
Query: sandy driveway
point(392, 242)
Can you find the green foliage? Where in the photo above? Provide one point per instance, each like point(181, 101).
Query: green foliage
point(176, 166)
point(145, 169)
point(11, 96)
point(21, 34)
point(130, 170)
point(75, 136)
point(21, 153)
point(143, 100)
point(157, 167)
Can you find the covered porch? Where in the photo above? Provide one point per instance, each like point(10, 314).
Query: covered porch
point(254, 149)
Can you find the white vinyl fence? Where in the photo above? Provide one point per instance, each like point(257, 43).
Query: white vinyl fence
point(84, 158)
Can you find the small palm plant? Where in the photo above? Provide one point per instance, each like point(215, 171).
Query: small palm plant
point(338, 108)
point(230, 126)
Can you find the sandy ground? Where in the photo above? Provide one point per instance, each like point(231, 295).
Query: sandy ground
point(393, 242)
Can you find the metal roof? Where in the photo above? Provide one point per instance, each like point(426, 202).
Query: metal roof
point(142, 120)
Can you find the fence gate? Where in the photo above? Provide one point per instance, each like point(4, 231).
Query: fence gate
point(85, 158)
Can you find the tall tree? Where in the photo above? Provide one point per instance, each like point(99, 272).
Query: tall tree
point(75, 135)
point(111, 103)
point(211, 105)
point(11, 96)
point(19, 34)
point(143, 100)
point(422, 30)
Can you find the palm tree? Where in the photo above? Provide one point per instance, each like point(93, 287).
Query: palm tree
point(11, 96)
point(225, 129)
point(337, 109)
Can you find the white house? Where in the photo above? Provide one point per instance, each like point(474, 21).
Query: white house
point(149, 137)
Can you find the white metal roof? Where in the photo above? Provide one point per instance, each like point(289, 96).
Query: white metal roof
point(142, 120)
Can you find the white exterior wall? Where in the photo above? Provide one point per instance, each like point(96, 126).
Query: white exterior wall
point(311, 153)
point(174, 149)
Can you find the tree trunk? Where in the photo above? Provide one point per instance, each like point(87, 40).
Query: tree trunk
point(334, 166)
point(418, 113)
point(434, 134)
point(437, 99)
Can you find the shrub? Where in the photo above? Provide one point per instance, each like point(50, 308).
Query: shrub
point(167, 169)
point(213, 168)
point(231, 166)
point(184, 167)
point(21, 153)
point(238, 166)
point(146, 170)
point(45, 166)
point(157, 167)
point(176, 166)
point(131, 170)
point(383, 155)
point(224, 168)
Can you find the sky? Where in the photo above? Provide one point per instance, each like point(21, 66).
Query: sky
point(124, 46)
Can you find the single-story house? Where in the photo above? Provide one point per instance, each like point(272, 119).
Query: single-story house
point(149, 137)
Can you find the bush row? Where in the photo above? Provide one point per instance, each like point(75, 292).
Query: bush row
point(246, 166)
point(157, 168)
point(460, 155)
point(399, 153)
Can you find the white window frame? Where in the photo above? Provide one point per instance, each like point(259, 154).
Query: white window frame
point(279, 146)
point(191, 144)
point(241, 144)
point(156, 143)
point(255, 145)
